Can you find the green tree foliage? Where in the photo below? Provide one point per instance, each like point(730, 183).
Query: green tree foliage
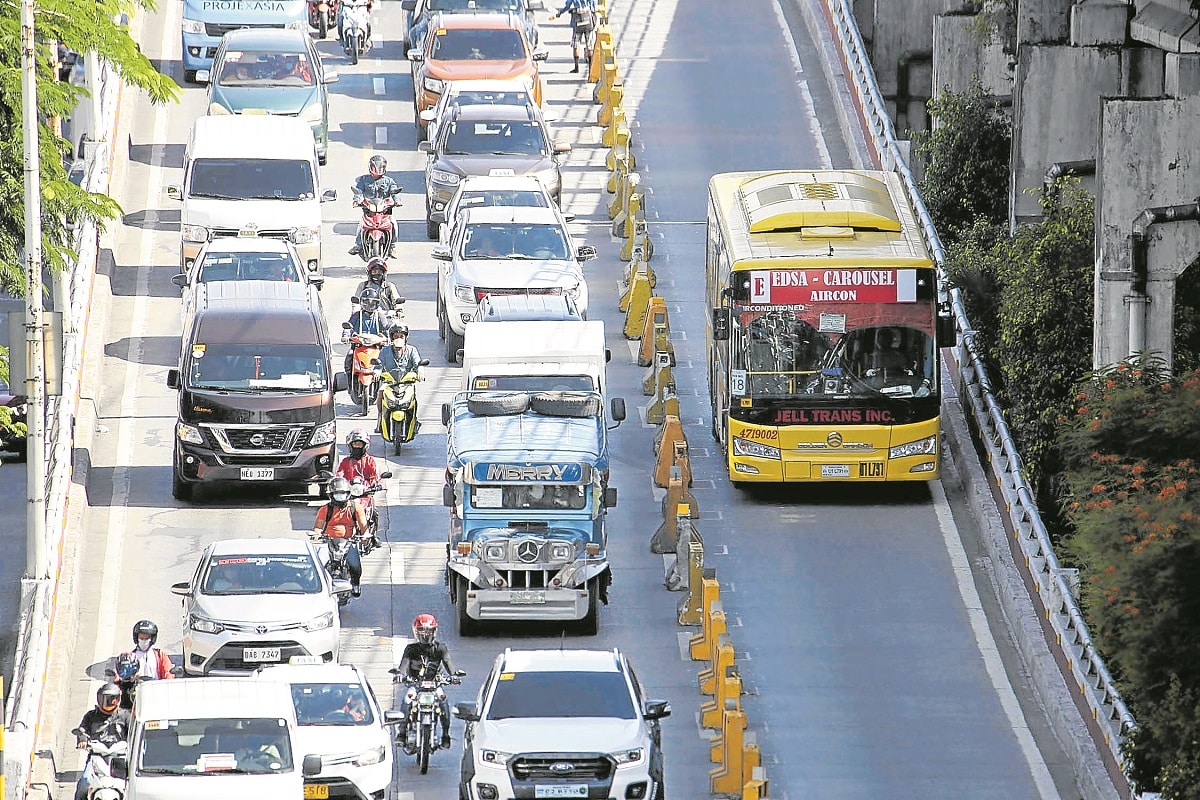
point(79, 26)
point(6, 420)
point(967, 157)
point(1130, 447)
point(1187, 319)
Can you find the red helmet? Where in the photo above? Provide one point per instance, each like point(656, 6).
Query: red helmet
point(425, 628)
point(377, 166)
point(377, 264)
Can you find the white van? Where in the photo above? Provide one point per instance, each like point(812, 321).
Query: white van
point(251, 175)
point(535, 356)
point(228, 738)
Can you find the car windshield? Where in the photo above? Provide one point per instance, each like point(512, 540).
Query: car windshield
point(513, 240)
point(477, 44)
point(254, 266)
point(331, 704)
point(280, 573)
point(519, 138)
point(474, 5)
point(524, 695)
point(215, 746)
point(252, 179)
point(272, 367)
point(528, 198)
point(489, 97)
point(265, 68)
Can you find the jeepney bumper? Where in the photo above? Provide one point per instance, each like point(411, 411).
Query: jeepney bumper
point(527, 604)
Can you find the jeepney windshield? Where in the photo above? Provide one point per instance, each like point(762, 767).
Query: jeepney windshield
point(530, 497)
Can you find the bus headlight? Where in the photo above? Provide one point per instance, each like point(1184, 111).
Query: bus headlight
point(745, 447)
point(921, 447)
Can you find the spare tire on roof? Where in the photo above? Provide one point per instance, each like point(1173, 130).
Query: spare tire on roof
point(498, 404)
point(564, 404)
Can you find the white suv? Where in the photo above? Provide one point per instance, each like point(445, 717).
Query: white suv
point(562, 723)
point(505, 250)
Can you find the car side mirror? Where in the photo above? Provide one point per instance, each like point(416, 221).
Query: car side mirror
point(466, 711)
point(425, 146)
point(173, 381)
point(203, 76)
point(561, 147)
point(447, 495)
point(586, 252)
point(383, 476)
point(617, 411)
point(394, 717)
point(174, 192)
point(607, 355)
point(568, 216)
point(340, 384)
point(312, 763)
point(446, 414)
point(720, 324)
point(541, 54)
point(459, 355)
point(342, 586)
point(415, 55)
point(180, 280)
point(610, 497)
point(317, 280)
point(657, 709)
point(181, 589)
point(441, 252)
point(331, 76)
point(424, 362)
point(535, 5)
point(427, 115)
point(329, 195)
point(118, 767)
point(438, 216)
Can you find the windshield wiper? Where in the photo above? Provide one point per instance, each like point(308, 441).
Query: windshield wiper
point(217, 196)
point(161, 771)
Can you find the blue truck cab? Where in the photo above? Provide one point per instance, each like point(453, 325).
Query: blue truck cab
point(206, 21)
point(527, 488)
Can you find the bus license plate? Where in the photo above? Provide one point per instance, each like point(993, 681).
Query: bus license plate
point(566, 790)
point(870, 469)
point(260, 654)
point(531, 598)
point(835, 470)
point(316, 791)
point(258, 473)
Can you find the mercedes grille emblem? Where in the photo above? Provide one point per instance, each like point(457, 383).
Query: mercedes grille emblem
point(257, 440)
point(561, 767)
point(527, 551)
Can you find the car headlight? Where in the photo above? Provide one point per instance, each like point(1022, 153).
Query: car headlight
point(573, 292)
point(216, 110)
point(441, 176)
point(494, 552)
point(921, 447)
point(192, 26)
point(325, 433)
point(304, 234)
point(464, 293)
point(313, 113)
point(434, 85)
point(319, 623)
point(495, 757)
point(194, 233)
point(628, 756)
point(744, 447)
point(550, 178)
point(204, 625)
point(188, 433)
point(562, 551)
point(372, 756)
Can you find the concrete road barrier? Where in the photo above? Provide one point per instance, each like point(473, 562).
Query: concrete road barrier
point(703, 646)
point(756, 788)
point(612, 113)
point(604, 36)
point(722, 659)
point(729, 687)
point(656, 332)
point(679, 571)
point(638, 305)
point(608, 72)
point(676, 456)
point(700, 581)
point(727, 754)
point(678, 506)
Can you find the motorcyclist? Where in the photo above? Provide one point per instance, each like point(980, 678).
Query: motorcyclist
point(341, 519)
point(361, 464)
point(425, 655)
point(369, 318)
point(153, 662)
point(107, 723)
point(399, 359)
point(375, 184)
point(389, 295)
point(341, 12)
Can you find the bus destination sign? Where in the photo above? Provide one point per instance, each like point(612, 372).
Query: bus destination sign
point(786, 286)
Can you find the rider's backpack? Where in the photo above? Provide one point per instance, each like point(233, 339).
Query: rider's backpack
point(583, 18)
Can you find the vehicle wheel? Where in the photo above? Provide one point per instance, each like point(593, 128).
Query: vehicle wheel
point(423, 747)
point(180, 489)
point(466, 625)
point(454, 343)
point(422, 132)
point(498, 404)
point(343, 600)
point(441, 316)
point(365, 400)
point(322, 26)
point(397, 445)
point(189, 76)
point(432, 229)
point(354, 52)
point(560, 404)
point(590, 624)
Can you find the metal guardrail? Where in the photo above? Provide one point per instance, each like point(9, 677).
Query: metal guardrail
point(37, 596)
point(1091, 676)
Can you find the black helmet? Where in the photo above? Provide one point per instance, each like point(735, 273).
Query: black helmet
point(144, 627)
point(108, 698)
point(376, 264)
point(378, 165)
point(339, 490)
point(397, 331)
point(369, 299)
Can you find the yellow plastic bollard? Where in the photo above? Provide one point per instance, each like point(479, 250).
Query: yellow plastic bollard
point(722, 659)
point(751, 758)
point(726, 778)
point(664, 390)
point(710, 625)
point(612, 111)
point(639, 305)
point(674, 508)
point(619, 152)
point(603, 37)
point(655, 333)
point(729, 687)
point(666, 448)
point(757, 787)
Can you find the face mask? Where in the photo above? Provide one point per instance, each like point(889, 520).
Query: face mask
point(143, 644)
point(399, 343)
point(357, 451)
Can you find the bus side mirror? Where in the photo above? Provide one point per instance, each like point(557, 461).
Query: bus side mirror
point(610, 497)
point(173, 381)
point(311, 765)
point(720, 324)
point(947, 334)
point(447, 495)
point(446, 414)
point(118, 767)
point(618, 409)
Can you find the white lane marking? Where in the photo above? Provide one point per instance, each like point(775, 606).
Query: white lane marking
point(381, 135)
point(987, 647)
point(806, 99)
point(377, 85)
point(118, 513)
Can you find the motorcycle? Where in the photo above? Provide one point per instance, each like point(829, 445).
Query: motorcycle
point(364, 383)
point(356, 29)
point(377, 234)
point(322, 15)
point(398, 418)
point(425, 699)
point(364, 496)
point(97, 771)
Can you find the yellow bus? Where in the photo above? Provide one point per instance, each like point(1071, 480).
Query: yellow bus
point(823, 331)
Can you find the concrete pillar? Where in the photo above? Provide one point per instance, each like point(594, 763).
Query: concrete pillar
point(1181, 75)
point(1056, 103)
point(958, 54)
point(1136, 172)
point(1100, 22)
point(1043, 21)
